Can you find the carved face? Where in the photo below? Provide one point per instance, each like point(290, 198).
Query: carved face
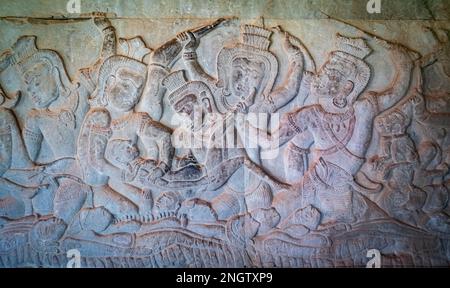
point(196, 112)
point(246, 77)
point(124, 89)
point(42, 83)
point(331, 87)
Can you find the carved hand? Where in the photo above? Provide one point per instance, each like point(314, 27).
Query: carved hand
point(241, 107)
point(294, 52)
point(99, 118)
point(156, 174)
point(164, 167)
point(102, 22)
point(188, 40)
point(399, 52)
point(290, 45)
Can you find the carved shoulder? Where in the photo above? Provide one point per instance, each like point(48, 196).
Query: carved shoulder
point(300, 120)
point(368, 102)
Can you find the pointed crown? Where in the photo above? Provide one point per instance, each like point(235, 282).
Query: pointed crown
point(353, 46)
point(255, 36)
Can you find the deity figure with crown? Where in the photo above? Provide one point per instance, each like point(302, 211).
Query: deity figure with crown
point(59, 103)
point(247, 70)
point(337, 130)
point(123, 149)
point(246, 75)
point(206, 139)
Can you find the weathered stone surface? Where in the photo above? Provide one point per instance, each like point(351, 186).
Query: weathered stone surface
point(162, 135)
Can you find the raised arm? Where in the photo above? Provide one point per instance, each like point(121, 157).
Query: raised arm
point(291, 125)
point(109, 44)
point(160, 62)
point(194, 68)
point(158, 68)
point(439, 51)
point(284, 93)
point(88, 76)
point(403, 63)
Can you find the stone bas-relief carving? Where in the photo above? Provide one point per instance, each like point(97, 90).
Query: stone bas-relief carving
point(94, 166)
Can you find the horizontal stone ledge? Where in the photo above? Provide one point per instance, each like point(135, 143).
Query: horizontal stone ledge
point(286, 9)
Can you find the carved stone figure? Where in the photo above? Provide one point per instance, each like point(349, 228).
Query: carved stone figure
point(146, 160)
point(121, 82)
point(21, 181)
point(195, 101)
point(332, 128)
point(59, 103)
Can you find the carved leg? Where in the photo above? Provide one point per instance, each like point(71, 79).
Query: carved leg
point(113, 201)
point(21, 193)
point(141, 198)
point(258, 171)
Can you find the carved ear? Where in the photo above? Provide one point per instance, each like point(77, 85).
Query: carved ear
point(57, 75)
point(349, 86)
point(443, 35)
point(110, 81)
point(206, 103)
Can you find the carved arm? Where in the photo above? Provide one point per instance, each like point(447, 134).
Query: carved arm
point(195, 70)
point(32, 135)
point(283, 94)
point(400, 84)
point(109, 45)
point(291, 125)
